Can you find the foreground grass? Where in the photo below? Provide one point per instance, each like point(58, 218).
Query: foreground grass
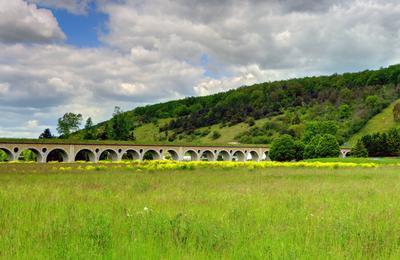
point(275, 212)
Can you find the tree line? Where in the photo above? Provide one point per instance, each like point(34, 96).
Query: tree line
point(118, 128)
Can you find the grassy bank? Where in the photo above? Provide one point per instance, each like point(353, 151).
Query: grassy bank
point(242, 212)
point(381, 122)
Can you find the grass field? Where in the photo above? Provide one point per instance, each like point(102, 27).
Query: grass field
point(115, 211)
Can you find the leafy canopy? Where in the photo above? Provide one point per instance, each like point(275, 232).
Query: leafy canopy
point(69, 123)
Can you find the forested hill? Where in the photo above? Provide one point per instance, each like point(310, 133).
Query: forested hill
point(269, 109)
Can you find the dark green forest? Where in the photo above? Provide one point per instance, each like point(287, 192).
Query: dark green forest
point(349, 100)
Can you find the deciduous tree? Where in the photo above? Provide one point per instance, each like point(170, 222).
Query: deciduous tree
point(69, 123)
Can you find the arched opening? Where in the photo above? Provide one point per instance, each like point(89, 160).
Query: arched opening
point(239, 156)
point(265, 156)
point(6, 155)
point(253, 156)
point(190, 155)
point(57, 155)
point(85, 155)
point(345, 153)
point(131, 155)
point(171, 155)
point(30, 155)
point(207, 156)
point(151, 155)
point(223, 156)
point(108, 155)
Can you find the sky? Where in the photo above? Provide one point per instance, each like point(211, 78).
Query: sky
point(88, 56)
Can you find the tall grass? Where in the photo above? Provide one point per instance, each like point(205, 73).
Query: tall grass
point(202, 213)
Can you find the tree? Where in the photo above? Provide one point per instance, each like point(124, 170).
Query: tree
point(70, 122)
point(344, 111)
point(393, 142)
point(372, 101)
point(120, 129)
point(328, 146)
point(382, 144)
point(299, 147)
point(319, 128)
point(322, 146)
point(89, 135)
point(285, 148)
point(46, 134)
point(104, 133)
point(396, 112)
point(359, 150)
point(310, 150)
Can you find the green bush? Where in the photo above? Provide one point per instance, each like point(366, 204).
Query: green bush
point(215, 135)
point(285, 148)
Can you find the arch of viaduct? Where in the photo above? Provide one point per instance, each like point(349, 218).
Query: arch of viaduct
point(46, 152)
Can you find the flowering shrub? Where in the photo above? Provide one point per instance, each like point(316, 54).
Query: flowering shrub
point(174, 165)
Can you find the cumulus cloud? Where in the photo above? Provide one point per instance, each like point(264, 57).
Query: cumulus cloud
point(158, 50)
point(53, 79)
point(328, 35)
point(23, 22)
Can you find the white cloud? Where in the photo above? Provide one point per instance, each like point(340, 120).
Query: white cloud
point(23, 22)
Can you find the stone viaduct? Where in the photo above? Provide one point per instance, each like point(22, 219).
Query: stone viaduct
point(46, 152)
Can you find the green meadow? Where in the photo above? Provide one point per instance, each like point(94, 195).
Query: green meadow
point(56, 211)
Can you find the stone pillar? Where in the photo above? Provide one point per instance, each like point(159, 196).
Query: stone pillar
point(71, 153)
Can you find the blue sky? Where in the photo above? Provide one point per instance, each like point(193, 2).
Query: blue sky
point(85, 30)
point(82, 30)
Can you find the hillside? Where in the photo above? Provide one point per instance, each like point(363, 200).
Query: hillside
point(381, 122)
point(261, 112)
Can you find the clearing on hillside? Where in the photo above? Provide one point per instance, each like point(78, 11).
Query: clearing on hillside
point(381, 122)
